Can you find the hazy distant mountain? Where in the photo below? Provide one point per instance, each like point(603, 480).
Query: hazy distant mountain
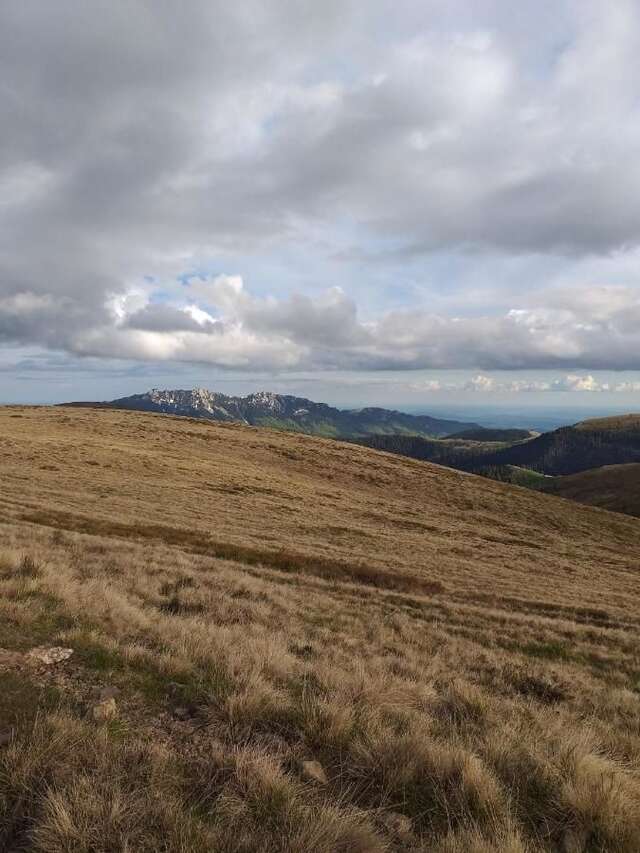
point(285, 412)
point(568, 450)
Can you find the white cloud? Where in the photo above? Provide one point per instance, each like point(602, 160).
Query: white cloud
point(573, 382)
point(569, 383)
point(481, 383)
point(430, 386)
point(220, 322)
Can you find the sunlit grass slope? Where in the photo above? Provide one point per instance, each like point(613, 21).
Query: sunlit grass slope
point(612, 487)
point(460, 656)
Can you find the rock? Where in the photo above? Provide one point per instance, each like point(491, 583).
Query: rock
point(50, 655)
point(182, 713)
point(313, 771)
point(109, 693)
point(6, 736)
point(398, 825)
point(105, 710)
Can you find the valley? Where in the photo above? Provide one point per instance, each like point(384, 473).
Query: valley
point(568, 450)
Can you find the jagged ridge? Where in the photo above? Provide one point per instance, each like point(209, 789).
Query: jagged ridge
point(282, 411)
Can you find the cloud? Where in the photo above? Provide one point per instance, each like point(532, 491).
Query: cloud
point(140, 142)
point(219, 322)
point(481, 383)
point(573, 382)
point(490, 385)
point(568, 383)
point(159, 317)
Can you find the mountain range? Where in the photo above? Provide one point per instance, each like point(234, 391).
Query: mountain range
point(285, 412)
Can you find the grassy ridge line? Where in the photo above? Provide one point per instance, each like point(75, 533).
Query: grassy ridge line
point(198, 543)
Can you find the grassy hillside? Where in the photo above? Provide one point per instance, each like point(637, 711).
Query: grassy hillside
point(459, 656)
point(512, 474)
point(614, 487)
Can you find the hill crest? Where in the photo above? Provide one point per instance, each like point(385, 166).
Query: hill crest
point(613, 423)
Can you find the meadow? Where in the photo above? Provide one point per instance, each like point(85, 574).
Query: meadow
point(308, 646)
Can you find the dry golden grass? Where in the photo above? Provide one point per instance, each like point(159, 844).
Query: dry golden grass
point(452, 650)
point(612, 487)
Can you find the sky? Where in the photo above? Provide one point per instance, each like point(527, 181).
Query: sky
point(424, 203)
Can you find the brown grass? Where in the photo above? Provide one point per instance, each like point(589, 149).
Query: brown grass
point(455, 651)
point(612, 487)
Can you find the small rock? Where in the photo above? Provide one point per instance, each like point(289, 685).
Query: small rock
point(399, 825)
point(6, 736)
point(313, 771)
point(109, 693)
point(105, 710)
point(50, 655)
point(182, 713)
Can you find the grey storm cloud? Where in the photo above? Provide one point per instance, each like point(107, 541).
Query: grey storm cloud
point(139, 138)
point(157, 317)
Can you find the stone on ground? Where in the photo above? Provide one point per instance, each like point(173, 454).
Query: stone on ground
point(313, 771)
point(50, 655)
point(104, 711)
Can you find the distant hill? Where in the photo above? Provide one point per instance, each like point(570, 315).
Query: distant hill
point(613, 487)
point(613, 424)
point(501, 435)
point(455, 453)
point(514, 475)
point(281, 411)
point(568, 450)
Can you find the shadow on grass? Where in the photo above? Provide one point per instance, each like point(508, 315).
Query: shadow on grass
point(282, 560)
